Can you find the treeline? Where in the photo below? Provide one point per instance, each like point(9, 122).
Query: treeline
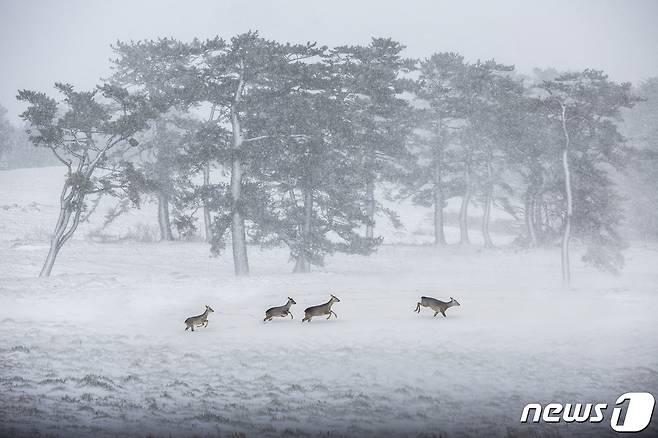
point(306, 134)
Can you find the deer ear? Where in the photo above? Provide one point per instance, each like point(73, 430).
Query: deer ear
point(451, 298)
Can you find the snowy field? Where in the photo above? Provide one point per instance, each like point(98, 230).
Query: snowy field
point(100, 348)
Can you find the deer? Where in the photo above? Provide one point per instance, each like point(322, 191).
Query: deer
point(199, 320)
point(436, 305)
point(281, 311)
point(322, 309)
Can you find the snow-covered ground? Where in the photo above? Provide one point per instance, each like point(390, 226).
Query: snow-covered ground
point(100, 348)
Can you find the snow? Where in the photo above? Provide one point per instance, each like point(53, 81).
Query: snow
point(100, 348)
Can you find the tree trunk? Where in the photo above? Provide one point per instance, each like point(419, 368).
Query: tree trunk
point(486, 217)
point(370, 206)
point(163, 218)
point(55, 245)
point(566, 236)
point(47, 267)
point(207, 221)
point(238, 236)
point(538, 217)
point(61, 234)
point(439, 235)
point(239, 242)
point(463, 211)
point(63, 218)
point(303, 264)
point(529, 217)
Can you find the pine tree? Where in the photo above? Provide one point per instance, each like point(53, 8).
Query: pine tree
point(165, 171)
point(586, 107)
point(478, 107)
point(531, 166)
point(432, 180)
point(372, 78)
point(499, 128)
point(166, 77)
point(241, 76)
point(314, 173)
point(86, 133)
point(230, 79)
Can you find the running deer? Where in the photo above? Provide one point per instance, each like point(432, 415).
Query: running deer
point(199, 320)
point(322, 309)
point(281, 311)
point(436, 305)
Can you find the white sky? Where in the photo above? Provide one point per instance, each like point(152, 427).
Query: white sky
point(42, 41)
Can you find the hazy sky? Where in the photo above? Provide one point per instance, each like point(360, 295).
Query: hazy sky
point(69, 40)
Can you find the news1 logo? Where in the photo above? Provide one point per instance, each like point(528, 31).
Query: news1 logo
point(638, 412)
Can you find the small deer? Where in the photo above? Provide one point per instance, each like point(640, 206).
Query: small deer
point(322, 309)
point(436, 305)
point(281, 311)
point(199, 320)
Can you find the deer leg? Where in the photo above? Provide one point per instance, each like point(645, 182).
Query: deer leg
point(335, 316)
point(187, 327)
point(436, 313)
point(206, 323)
point(417, 309)
point(290, 313)
point(443, 313)
point(192, 327)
